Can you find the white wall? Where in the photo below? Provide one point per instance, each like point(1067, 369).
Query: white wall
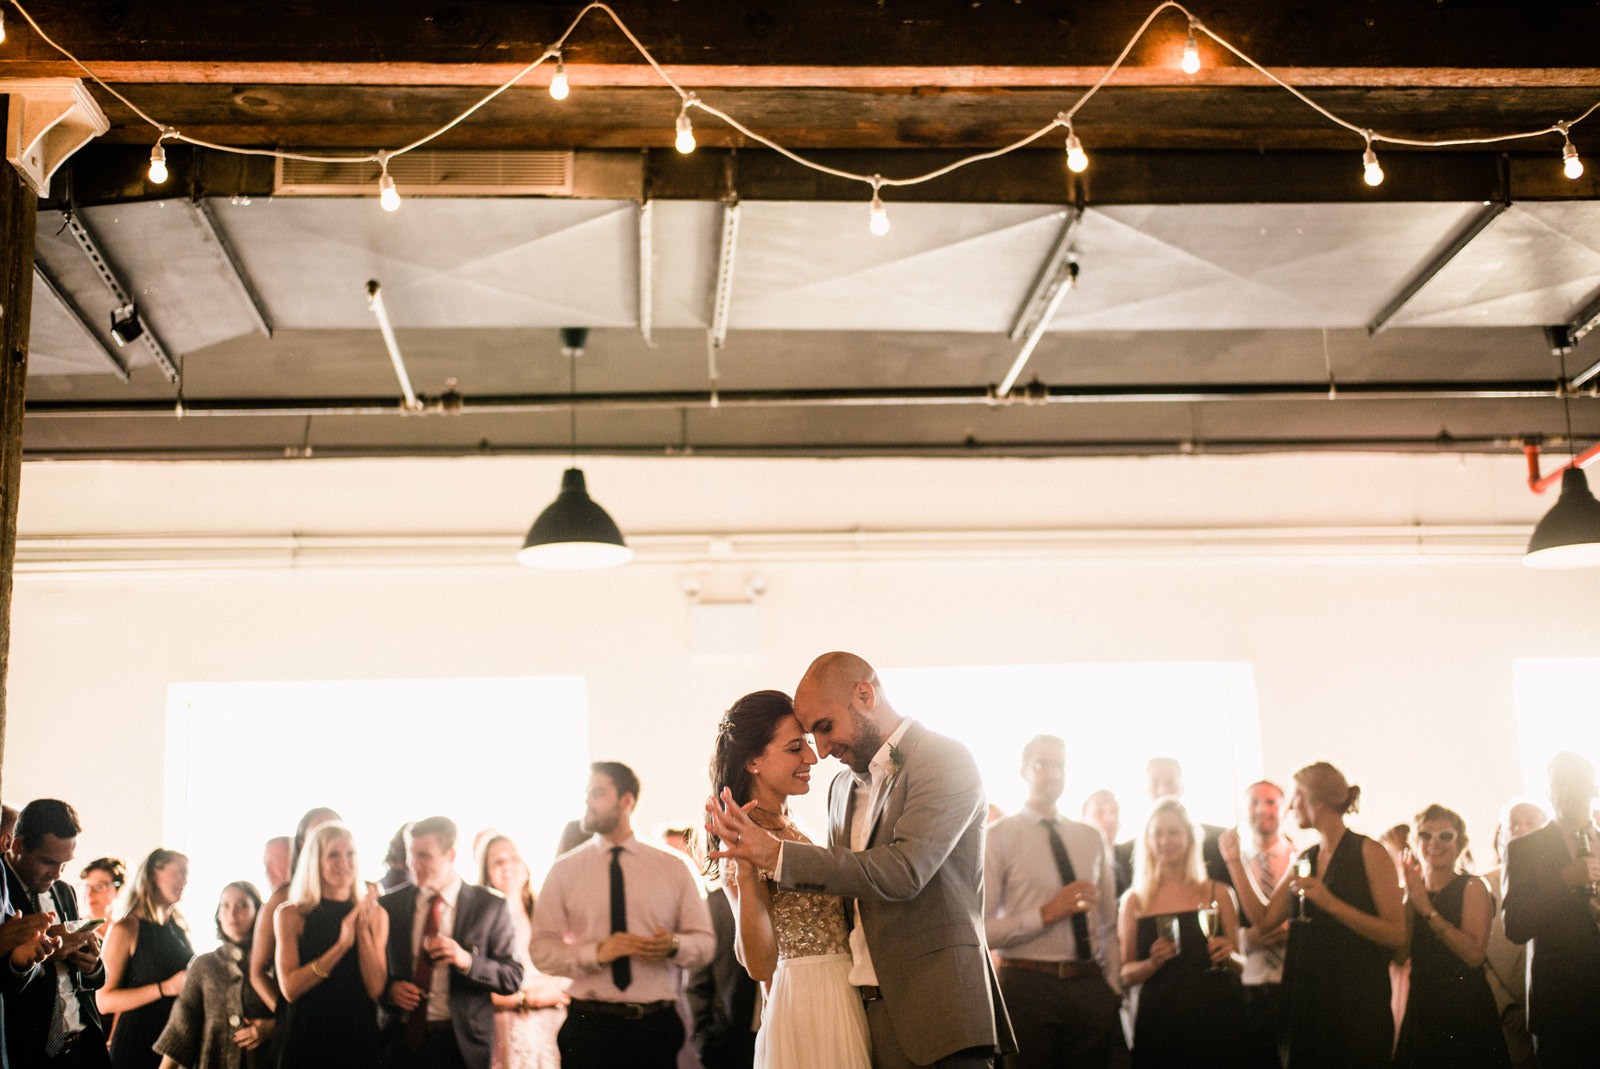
point(1386, 649)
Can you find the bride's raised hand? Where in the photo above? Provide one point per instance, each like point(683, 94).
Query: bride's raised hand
point(742, 839)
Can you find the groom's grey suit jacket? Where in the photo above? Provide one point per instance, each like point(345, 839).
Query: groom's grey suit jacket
point(920, 885)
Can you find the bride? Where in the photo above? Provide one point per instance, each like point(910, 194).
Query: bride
point(796, 944)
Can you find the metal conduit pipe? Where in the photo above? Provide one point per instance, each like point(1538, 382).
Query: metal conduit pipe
point(1036, 393)
point(1540, 483)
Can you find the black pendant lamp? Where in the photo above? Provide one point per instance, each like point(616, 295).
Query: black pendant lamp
point(574, 532)
point(1569, 534)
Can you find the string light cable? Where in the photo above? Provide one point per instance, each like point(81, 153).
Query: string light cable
point(1572, 166)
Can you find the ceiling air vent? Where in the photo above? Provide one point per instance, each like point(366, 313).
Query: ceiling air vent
point(424, 173)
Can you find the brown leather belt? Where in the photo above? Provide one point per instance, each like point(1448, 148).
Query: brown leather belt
point(632, 1011)
point(1061, 970)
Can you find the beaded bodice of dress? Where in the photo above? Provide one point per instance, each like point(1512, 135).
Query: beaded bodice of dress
point(806, 924)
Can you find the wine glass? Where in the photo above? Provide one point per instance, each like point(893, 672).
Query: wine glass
point(1210, 925)
point(1173, 931)
point(1302, 869)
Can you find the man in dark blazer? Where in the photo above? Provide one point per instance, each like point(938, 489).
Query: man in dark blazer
point(52, 1020)
point(449, 950)
point(23, 943)
point(906, 843)
point(1551, 879)
point(722, 997)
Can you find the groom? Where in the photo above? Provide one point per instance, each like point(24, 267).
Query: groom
point(905, 832)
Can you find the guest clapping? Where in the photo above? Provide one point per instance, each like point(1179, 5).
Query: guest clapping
point(264, 947)
point(1336, 970)
point(219, 1022)
point(330, 958)
point(1450, 1020)
point(1180, 932)
point(146, 955)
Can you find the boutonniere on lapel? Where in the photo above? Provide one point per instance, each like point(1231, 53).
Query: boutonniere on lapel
point(897, 760)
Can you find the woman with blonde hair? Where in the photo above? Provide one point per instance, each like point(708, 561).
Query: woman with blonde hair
point(1451, 1019)
point(526, 1023)
point(1179, 932)
point(146, 957)
point(1352, 921)
point(332, 961)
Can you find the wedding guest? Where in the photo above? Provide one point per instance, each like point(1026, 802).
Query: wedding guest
point(264, 944)
point(449, 953)
point(102, 880)
point(621, 918)
point(1336, 967)
point(1508, 961)
point(396, 872)
point(219, 1022)
point(1450, 1020)
point(52, 1020)
point(1164, 779)
point(1268, 858)
point(1396, 842)
point(146, 955)
point(1180, 935)
point(1050, 912)
point(526, 1023)
point(1101, 810)
point(1551, 881)
point(331, 965)
point(275, 861)
point(723, 1001)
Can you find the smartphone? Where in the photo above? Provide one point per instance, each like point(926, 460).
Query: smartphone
point(85, 924)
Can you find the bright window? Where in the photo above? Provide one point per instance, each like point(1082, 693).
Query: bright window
point(245, 760)
point(1558, 708)
point(1114, 717)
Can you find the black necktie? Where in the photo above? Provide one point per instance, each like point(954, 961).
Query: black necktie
point(1080, 921)
point(621, 968)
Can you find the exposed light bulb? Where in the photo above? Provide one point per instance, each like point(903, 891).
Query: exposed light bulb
point(1077, 159)
point(1191, 53)
point(158, 164)
point(1371, 173)
point(878, 222)
point(558, 82)
point(2, 27)
point(1571, 166)
point(388, 196)
point(685, 140)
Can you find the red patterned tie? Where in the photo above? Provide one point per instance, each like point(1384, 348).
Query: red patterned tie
point(422, 976)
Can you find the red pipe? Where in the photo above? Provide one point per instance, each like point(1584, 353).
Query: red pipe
point(1539, 484)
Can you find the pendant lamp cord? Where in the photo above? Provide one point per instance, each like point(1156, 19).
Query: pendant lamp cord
point(1566, 406)
point(572, 406)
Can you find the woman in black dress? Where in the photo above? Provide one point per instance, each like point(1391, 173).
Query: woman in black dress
point(1452, 1020)
point(1351, 923)
point(331, 959)
point(1190, 1002)
point(146, 956)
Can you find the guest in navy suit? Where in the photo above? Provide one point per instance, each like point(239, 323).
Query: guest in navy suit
point(52, 1020)
point(1551, 878)
point(449, 950)
point(23, 941)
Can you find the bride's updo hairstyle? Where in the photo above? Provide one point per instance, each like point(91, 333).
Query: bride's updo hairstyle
point(1327, 786)
point(746, 729)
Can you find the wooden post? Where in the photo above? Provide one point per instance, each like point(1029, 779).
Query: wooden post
point(18, 213)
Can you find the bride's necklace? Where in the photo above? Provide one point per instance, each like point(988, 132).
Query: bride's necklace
point(782, 819)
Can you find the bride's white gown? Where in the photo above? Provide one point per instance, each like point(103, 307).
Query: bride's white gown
point(813, 1017)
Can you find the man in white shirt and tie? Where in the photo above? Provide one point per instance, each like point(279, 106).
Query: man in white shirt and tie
point(1268, 857)
point(624, 919)
point(1050, 911)
point(449, 950)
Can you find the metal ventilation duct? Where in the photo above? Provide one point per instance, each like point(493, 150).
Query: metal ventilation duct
point(427, 172)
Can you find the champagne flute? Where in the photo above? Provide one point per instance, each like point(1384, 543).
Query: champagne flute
point(1302, 869)
point(1209, 926)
